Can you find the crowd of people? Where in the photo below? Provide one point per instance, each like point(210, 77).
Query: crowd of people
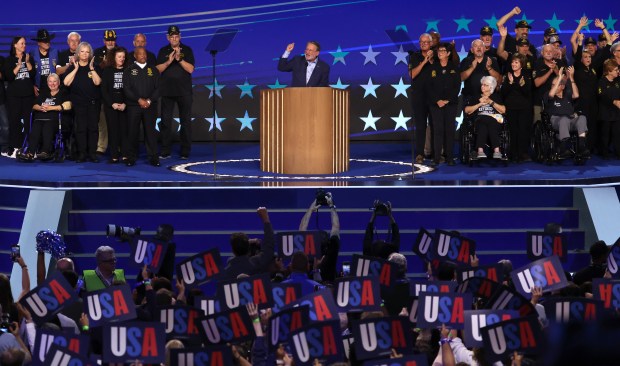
point(576, 86)
point(154, 289)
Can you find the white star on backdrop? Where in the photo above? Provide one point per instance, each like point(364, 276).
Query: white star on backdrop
point(370, 88)
point(217, 121)
point(401, 121)
point(246, 122)
point(339, 85)
point(401, 88)
point(215, 88)
point(370, 121)
point(401, 56)
point(370, 55)
point(462, 53)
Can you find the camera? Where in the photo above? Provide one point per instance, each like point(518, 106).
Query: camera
point(381, 209)
point(122, 233)
point(322, 197)
point(15, 252)
point(5, 322)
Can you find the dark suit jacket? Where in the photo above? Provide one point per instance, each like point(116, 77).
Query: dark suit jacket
point(298, 65)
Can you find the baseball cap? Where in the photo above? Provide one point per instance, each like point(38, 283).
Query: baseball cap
point(589, 40)
point(523, 24)
point(173, 29)
point(109, 35)
point(601, 37)
point(554, 39)
point(550, 31)
point(486, 31)
point(523, 42)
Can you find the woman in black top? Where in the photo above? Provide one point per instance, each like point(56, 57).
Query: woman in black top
point(444, 87)
point(586, 79)
point(517, 95)
point(487, 112)
point(114, 102)
point(609, 108)
point(19, 71)
point(83, 80)
point(47, 109)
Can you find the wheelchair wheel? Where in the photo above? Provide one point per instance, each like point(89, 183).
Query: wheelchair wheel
point(465, 144)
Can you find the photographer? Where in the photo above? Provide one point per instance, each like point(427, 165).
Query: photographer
point(330, 248)
point(598, 252)
point(381, 248)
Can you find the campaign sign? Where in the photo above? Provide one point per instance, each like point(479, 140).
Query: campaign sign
point(376, 267)
point(319, 341)
point(200, 268)
point(520, 334)
point(308, 242)
point(413, 309)
point(284, 294)
point(422, 285)
point(453, 248)
point(208, 305)
point(494, 272)
point(60, 356)
point(545, 272)
point(423, 245)
point(229, 326)
point(46, 338)
point(112, 304)
point(249, 290)
point(479, 287)
point(506, 298)
point(613, 260)
point(478, 319)
point(358, 294)
point(376, 337)
point(435, 309)
point(573, 310)
point(285, 322)
point(214, 355)
point(321, 304)
point(182, 322)
point(49, 298)
point(541, 245)
point(607, 291)
point(144, 341)
point(147, 251)
point(408, 360)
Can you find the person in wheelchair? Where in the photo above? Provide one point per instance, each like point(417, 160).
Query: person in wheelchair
point(48, 107)
point(487, 115)
point(559, 106)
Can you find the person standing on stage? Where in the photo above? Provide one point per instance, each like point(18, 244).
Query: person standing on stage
point(109, 42)
point(114, 102)
point(45, 60)
point(419, 70)
point(307, 70)
point(175, 63)
point(139, 40)
point(65, 57)
point(141, 86)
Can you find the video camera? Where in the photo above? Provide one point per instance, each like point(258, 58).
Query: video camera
point(381, 209)
point(5, 321)
point(322, 197)
point(122, 233)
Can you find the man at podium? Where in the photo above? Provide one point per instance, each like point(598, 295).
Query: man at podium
point(307, 70)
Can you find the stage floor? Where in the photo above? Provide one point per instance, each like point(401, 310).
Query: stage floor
point(238, 164)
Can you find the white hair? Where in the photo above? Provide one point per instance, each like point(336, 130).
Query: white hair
point(477, 40)
point(87, 45)
point(489, 80)
point(74, 34)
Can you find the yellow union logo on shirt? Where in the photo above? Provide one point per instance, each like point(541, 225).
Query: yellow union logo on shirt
point(149, 72)
point(433, 73)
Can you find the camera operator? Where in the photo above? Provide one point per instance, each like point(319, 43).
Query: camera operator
point(381, 248)
point(325, 268)
point(598, 252)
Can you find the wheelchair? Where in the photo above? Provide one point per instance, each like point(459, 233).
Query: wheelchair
point(546, 146)
point(58, 154)
point(469, 151)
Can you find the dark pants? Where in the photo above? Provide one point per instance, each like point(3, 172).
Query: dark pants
point(444, 128)
point(18, 108)
point(86, 123)
point(117, 131)
point(488, 129)
point(148, 117)
point(520, 126)
point(4, 127)
point(610, 133)
point(42, 132)
point(590, 110)
point(185, 116)
point(421, 113)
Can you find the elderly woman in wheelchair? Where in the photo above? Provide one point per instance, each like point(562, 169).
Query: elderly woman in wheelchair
point(561, 111)
point(487, 113)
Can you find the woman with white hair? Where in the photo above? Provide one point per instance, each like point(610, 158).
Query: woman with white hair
point(487, 112)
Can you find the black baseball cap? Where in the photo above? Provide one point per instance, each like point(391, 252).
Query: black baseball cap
point(550, 32)
point(589, 40)
point(601, 37)
point(486, 31)
point(109, 35)
point(523, 24)
point(523, 42)
point(173, 29)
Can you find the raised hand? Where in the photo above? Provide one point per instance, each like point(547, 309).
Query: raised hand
point(171, 56)
point(510, 78)
point(599, 24)
point(503, 31)
point(516, 10)
point(583, 21)
point(290, 47)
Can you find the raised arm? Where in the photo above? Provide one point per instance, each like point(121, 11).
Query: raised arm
point(501, 47)
point(556, 83)
point(573, 39)
point(303, 225)
point(570, 71)
point(501, 21)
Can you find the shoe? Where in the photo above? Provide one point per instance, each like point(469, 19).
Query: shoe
point(526, 158)
point(451, 162)
point(184, 157)
point(154, 161)
point(100, 153)
point(113, 161)
point(130, 162)
point(94, 158)
point(43, 156)
point(10, 153)
point(419, 159)
point(481, 155)
point(80, 159)
point(164, 156)
point(497, 155)
point(434, 163)
point(442, 160)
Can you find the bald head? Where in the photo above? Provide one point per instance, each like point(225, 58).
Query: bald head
point(65, 264)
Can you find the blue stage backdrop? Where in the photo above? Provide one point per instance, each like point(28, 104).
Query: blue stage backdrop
point(363, 58)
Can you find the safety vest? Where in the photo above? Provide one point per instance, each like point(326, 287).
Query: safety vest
point(94, 283)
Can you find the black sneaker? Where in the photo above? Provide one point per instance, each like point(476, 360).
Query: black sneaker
point(154, 161)
point(94, 158)
point(130, 162)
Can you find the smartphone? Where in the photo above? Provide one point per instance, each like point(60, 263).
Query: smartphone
point(15, 252)
point(346, 268)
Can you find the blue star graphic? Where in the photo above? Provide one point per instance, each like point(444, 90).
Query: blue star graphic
point(246, 89)
point(463, 52)
point(370, 88)
point(554, 22)
point(587, 27)
point(432, 25)
point(277, 85)
point(492, 21)
point(339, 85)
point(217, 121)
point(246, 122)
point(523, 17)
point(401, 56)
point(462, 24)
point(610, 22)
point(370, 55)
point(370, 121)
point(401, 89)
point(215, 89)
point(401, 27)
point(401, 121)
point(339, 56)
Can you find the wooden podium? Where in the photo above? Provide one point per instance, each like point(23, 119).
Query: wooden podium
point(304, 130)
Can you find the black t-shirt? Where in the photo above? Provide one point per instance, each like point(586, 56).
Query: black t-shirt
point(608, 92)
point(2, 91)
point(22, 84)
point(517, 95)
point(471, 86)
point(45, 97)
point(541, 69)
point(82, 90)
point(100, 54)
point(63, 57)
point(419, 83)
point(486, 112)
point(587, 83)
point(560, 106)
point(112, 86)
point(175, 81)
point(444, 83)
point(46, 69)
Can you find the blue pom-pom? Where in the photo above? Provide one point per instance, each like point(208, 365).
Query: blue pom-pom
point(51, 242)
